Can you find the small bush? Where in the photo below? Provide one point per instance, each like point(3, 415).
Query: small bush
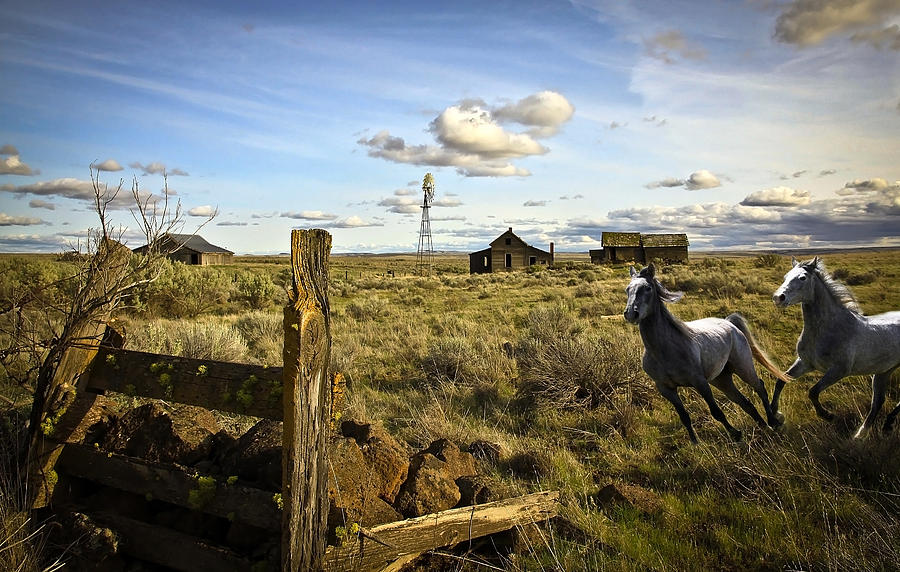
point(767, 261)
point(264, 334)
point(257, 289)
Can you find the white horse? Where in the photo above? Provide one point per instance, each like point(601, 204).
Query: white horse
point(696, 354)
point(837, 339)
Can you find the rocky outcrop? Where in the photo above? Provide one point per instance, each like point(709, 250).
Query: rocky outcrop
point(151, 433)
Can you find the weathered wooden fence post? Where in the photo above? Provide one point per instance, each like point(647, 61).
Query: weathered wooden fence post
point(307, 397)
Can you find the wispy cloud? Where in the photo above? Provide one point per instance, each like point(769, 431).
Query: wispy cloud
point(41, 204)
point(11, 164)
point(811, 22)
point(777, 197)
point(157, 168)
point(308, 215)
point(697, 180)
point(669, 45)
point(7, 220)
point(109, 165)
point(204, 211)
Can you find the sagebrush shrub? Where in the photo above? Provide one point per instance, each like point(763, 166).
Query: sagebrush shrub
point(257, 289)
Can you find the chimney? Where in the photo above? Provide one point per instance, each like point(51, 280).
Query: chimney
point(510, 229)
point(551, 251)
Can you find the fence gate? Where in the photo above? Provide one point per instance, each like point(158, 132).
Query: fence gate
point(299, 394)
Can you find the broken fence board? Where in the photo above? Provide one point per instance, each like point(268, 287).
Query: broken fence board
point(167, 547)
point(170, 484)
point(235, 387)
point(383, 544)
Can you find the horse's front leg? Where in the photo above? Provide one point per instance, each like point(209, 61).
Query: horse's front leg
point(671, 394)
point(798, 368)
point(705, 391)
point(879, 386)
point(832, 376)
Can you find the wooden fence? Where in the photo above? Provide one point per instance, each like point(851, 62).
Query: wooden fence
point(299, 394)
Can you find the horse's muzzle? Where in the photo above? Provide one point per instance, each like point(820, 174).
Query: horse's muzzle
point(631, 316)
point(779, 299)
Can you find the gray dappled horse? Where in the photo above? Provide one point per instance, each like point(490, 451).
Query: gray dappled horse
point(696, 354)
point(837, 339)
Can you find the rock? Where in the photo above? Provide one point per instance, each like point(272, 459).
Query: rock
point(387, 459)
point(151, 433)
point(530, 464)
point(485, 451)
point(632, 496)
point(475, 490)
point(428, 488)
point(353, 493)
point(458, 463)
point(91, 546)
point(256, 456)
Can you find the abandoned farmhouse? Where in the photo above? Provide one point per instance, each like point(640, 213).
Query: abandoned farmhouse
point(191, 249)
point(638, 247)
point(508, 252)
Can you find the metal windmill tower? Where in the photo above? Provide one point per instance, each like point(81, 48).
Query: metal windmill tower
point(425, 253)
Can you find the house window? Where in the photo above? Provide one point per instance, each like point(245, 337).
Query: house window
point(508, 241)
point(485, 261)
point(532, 260)
point(508, 259)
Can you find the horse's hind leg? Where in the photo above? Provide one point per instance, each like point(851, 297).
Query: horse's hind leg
point(671, 394)
point(706, 393)
point(889, 421)
point(725, 383)
point(879, 386)
point(745, 370)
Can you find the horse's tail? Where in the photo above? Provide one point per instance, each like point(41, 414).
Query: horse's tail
point(758, 353)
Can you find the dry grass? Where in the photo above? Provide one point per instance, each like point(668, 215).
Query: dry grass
point(542, 365)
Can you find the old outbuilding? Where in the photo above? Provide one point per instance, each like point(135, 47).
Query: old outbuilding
point(639, 247)
point(190, 249)
point(508, 252)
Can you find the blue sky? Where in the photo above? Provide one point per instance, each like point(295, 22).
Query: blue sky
point(757, 124)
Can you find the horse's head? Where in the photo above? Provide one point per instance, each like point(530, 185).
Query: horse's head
point(797, 286)
point(644, 293)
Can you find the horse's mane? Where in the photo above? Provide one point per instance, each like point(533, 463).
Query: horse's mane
point(665, 295)
point(837, 289)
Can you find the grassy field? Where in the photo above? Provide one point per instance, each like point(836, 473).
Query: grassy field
point(542, 364)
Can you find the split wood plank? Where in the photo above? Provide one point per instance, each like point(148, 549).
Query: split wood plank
point(170, 484)
point(307, 398)
point(234, 387)
point(450, 527)
point(167, 547)
point(62, 413)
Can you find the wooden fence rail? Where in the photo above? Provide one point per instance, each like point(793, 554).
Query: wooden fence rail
point(299, 394)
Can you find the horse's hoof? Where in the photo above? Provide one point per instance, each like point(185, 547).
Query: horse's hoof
point(777, 420)
point(826, 415)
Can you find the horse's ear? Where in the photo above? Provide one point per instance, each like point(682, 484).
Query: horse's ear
point(633, 272)
point(815, 262)
point(794, 261)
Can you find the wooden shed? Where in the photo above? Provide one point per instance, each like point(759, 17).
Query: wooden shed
point(191, 249)
point(619, 247)
point(508, 252)
point(667, 247)
point(638, 247)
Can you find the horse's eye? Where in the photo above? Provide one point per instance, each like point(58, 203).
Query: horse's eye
point(802, 278)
